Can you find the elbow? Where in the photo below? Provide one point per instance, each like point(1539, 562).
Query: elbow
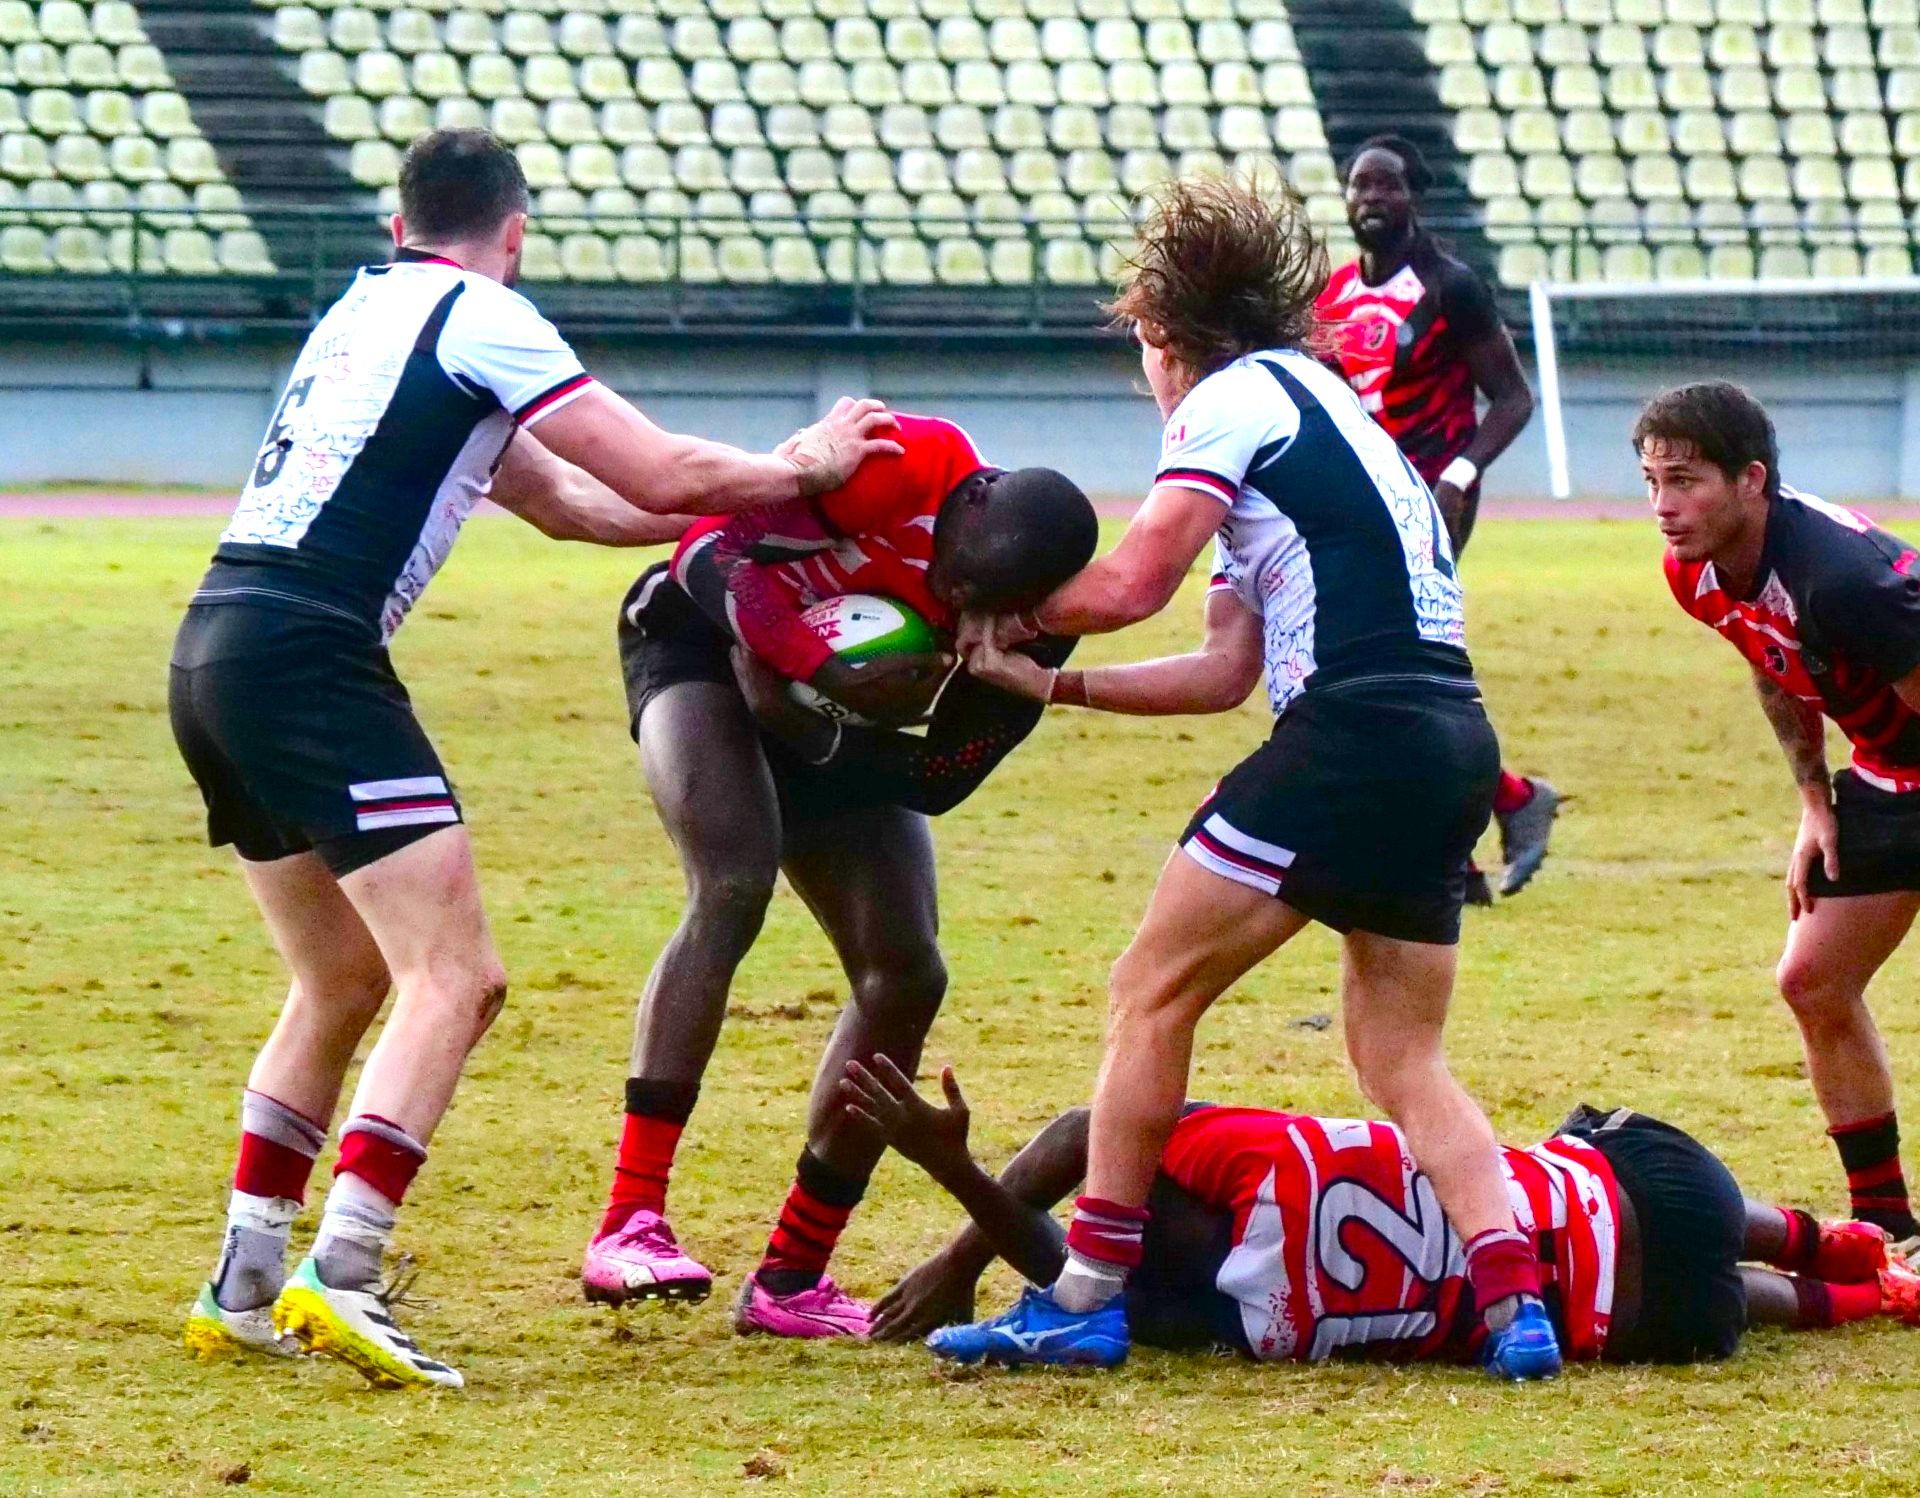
point(1520, 402)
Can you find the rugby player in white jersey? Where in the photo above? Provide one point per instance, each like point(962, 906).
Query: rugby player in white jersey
point(417, 393)
point(1333, 573)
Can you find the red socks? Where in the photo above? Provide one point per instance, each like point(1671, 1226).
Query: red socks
point(1501, 1263)
point(815, 1213)
point(381, 1153)
point(1870, 1155)
point(657, 1114)
point(277, 1148)
point(1108, 1232)
point(1824, 1304)
point(1512, 793)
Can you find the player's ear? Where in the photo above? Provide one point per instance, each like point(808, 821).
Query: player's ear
point(1753, 480)
point(399, 227)
point(515, 234)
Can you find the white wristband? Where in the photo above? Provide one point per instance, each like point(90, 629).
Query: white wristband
point(1461, 473)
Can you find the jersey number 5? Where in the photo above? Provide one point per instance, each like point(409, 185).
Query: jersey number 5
point(273, 455)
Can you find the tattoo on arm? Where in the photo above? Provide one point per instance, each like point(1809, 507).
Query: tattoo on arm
point(1800, 729)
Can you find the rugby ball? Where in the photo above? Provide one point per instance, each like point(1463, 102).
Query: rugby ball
point(861, 627)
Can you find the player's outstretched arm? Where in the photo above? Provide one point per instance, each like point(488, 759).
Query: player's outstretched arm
point(570, 504)
point(1010, 1216)
point(1139, 577)
point(670, 474)
point(1216, 678)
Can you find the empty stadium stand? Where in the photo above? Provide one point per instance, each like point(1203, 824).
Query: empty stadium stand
point(91, 119)
point(1644, 139)
point(856, 161)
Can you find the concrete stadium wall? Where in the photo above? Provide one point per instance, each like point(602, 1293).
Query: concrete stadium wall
point(74, 412)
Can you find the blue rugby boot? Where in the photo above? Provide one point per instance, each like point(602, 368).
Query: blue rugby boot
point(1037, 1330)
point(1525, 1348)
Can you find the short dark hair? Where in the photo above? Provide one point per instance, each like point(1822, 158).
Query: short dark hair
point(459, 185)
point(1419, 175)
point(1720, 421)
point(1225, 267)
point(1036, 528)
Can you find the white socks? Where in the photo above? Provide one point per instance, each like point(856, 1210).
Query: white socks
point(253, 1260)
point(354, 1230)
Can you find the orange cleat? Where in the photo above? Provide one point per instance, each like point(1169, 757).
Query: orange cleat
point(1849, 1252)
point(1900, 1293)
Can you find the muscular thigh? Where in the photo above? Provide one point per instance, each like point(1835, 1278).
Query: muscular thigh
point(868, 877)
point(701, 756)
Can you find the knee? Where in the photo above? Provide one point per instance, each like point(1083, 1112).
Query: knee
point(491, 997)
point(1390, 1076)
point(901, 985)
point(728, 907)
point(1810, 991)
point(348, 992)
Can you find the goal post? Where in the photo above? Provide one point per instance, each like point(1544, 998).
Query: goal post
point(1684, 328)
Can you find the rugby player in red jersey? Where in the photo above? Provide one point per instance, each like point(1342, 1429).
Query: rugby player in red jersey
point(1825, 607)
point(750, 786)
point(1417, 335)
point(1287, 1237)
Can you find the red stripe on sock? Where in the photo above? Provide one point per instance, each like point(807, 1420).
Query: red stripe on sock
point(268, 1168)
point(1108, 1232)
point(647, 1147)
point(1512, 793)
point(1861, 1126)
point(383, 1164)
point(1886, 1171)
point(807, 1233)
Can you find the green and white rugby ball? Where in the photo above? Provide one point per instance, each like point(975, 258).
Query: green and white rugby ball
point(861, 627)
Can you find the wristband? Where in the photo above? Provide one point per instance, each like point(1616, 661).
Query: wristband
point(1068, 689)
point(1461, 473)
point(833, 748)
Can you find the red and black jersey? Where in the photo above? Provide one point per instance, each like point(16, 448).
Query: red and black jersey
point(1339, 1243)
point(1402, 346)
point(1834, 618)
point(874, 534)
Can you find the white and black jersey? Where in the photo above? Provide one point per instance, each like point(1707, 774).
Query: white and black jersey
point(387, 436)
point(1329, 534)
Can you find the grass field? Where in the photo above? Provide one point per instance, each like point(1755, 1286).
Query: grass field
point(135, 984)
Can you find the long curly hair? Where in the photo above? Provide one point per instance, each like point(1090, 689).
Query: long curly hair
point(1224, 266)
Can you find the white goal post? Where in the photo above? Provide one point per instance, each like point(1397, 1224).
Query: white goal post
point(1695, 319)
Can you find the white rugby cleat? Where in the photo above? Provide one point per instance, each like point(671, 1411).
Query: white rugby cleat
point(212, 1331)
point(357, 1328)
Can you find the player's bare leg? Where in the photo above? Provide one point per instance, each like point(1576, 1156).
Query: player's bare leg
point(1394, 995)
point(1833, 952)
point(421, 904)
point(339, 981)
point(1200, 934)
point(700, 752)
point(868, 877)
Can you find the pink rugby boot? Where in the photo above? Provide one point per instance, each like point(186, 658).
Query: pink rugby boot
point(642, 1260)
point(822, 1310)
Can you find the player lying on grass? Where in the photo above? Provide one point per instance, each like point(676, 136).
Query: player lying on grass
point(1825, 607)
point(1360, 810)
point(416, 387)
point(1289, 1237)
point(750, 785)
